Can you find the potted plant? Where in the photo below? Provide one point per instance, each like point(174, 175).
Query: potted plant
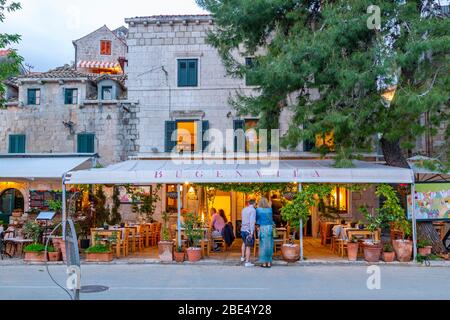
point(99, 253)
point(32, 231)
point(179, 254)
point(352, 249)
point(388, 253)
point(424, 247)
point(403, 247)
point(53, 254)
point(192, 225)
point(34, 253)
point(165, 246)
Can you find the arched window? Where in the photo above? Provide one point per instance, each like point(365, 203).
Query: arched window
point(10, 201)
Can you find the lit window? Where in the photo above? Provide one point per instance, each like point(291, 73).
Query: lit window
point(186, 136)
point(339, 199)
point(251, 135)
point(105, 47)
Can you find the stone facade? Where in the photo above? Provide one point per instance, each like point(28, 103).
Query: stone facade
point(155, 45)
point(88, 47)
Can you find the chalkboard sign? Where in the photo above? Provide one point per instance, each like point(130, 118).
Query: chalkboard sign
point(38, 199)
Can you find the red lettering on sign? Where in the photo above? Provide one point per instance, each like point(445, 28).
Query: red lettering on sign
point(158, 174)
point(199, 174)
point(219, 175)
point(239, 174)
point(259, 173)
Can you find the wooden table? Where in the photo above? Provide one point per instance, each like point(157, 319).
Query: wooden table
point(15, 243)
point(363, 234)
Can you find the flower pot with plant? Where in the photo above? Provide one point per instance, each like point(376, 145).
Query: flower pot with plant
point(179, 254)
point(388, 253)
point(34, 253)
point(424, 247)
point(165, 246)
point(53, 254)
point(192, 229)
point(352, 249)
point(298, 210)
point(99, 253)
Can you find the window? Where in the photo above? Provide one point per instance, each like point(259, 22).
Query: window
point(105, 47)
point(34, 96)
point(85, 143)
point(252, 139)
point(17, 143)
point(71, 96)
point(107, 93)
point(250, 79)
point(339, 199)
point(184, 136)
point(188, 72)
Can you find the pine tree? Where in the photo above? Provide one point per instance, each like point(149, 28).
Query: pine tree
point(304, 47)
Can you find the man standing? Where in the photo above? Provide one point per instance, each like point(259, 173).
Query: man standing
point(247, 232)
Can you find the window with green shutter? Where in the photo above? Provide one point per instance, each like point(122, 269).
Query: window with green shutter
point(107, 93)
point(170, 128)
point(86, 143)
point(188, 72)
point(34, 96)
point(205, 128)
point(238, 125)
point(70, 96)
point(17, 143)
point(250, 79)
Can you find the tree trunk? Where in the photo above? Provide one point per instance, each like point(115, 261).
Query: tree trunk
point(426, 231)
point(393, 154)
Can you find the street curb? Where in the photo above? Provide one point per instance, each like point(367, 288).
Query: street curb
point(306, 263)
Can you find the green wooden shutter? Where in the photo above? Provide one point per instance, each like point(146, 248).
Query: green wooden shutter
point(67, 98)
point(81, 143)
point(86, 143)
point(308, 144)
point(182, 73)
point(90, 143)
point(170, 127)
point(31, 96)
point(238, 125)
point(193, 73)
point(205, 127)
point(17, 143)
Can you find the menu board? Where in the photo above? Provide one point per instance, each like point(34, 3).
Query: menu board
point(38, 199)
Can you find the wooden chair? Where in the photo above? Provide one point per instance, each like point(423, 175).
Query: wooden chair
point(153, 232)
point(219, 240)
point(341, 246)
point(205, 243)
point(132, 239)
point(122, 243)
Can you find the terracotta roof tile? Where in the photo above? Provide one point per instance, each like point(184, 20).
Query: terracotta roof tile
point(64, 72)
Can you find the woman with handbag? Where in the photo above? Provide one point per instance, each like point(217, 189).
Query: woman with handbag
point(264, 218)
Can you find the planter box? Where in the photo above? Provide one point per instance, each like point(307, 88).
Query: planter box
point(34, 257)
point(352, 251)
point(99, 257)
point(179, 256)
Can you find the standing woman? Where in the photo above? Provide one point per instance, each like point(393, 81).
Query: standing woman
point(264, 218)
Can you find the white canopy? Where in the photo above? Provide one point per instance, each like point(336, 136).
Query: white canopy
point(144, 172)
point(28, 167)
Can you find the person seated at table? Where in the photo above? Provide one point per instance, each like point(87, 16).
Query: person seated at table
point(338, 230)
point(216, 225)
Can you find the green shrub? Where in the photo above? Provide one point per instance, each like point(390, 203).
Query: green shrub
point(51, 249)
point(98, 248)
point(388, 248)
point(422, 243)
point(35, 247)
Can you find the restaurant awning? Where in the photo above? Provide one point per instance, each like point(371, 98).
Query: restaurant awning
point(93, 64)
point(423, 174)
point(31, 167)
point(144, 172)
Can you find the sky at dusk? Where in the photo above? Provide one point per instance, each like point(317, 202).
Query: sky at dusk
point(49, 26)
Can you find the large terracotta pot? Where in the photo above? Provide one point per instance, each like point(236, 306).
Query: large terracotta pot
point(179, 256)
point(194, 254)
point(403, 250)
point(34, 257)
point(352, 251)
point(426, 251)
point(290, 252)
point(165, 251)
point(54, 256)
point(99, 257)
point(388, 256)
point(372, 253)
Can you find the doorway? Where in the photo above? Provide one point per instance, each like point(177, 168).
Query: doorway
point(10, 200)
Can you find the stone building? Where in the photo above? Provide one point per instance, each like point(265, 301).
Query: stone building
point(102, 51)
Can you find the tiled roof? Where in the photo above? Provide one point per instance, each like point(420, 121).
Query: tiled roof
point(120, 78)
point(64, 72)
point(167, 18)
point(4, 53)
point(12, 82)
